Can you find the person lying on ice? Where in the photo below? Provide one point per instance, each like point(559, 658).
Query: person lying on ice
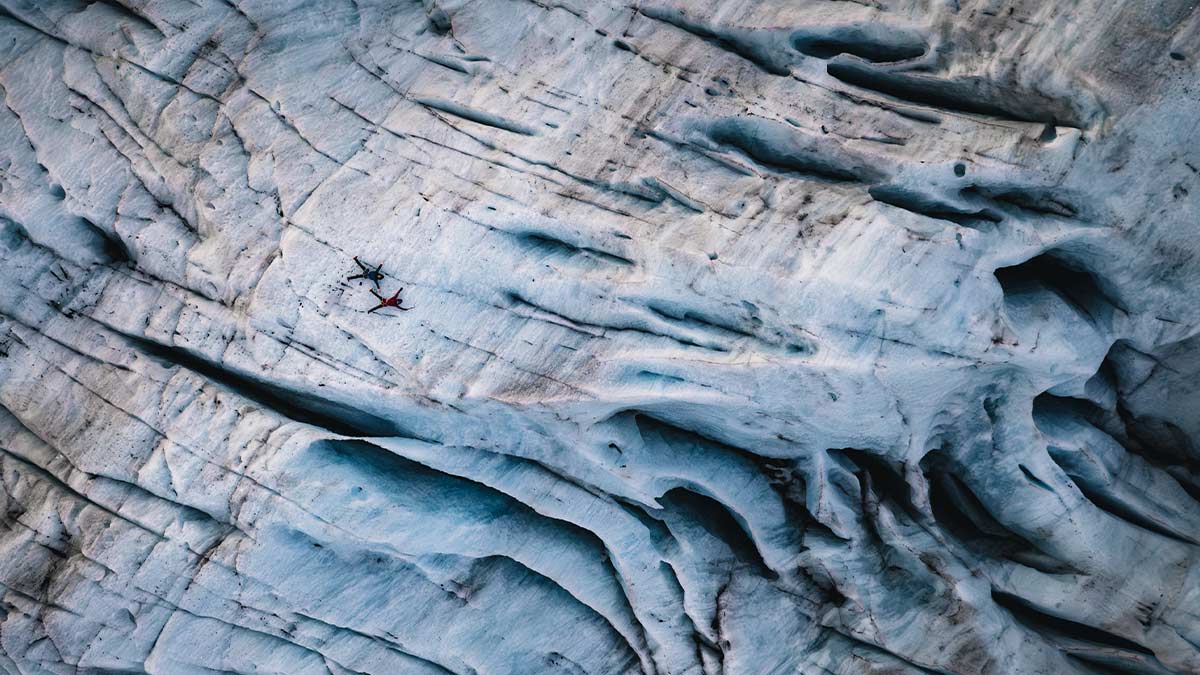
point(393, 301)
point(372, 275)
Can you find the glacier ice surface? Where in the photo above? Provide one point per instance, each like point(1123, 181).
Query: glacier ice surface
point(745, 337)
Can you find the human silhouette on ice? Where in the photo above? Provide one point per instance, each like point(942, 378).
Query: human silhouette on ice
point(393, 301)
point(373, 275)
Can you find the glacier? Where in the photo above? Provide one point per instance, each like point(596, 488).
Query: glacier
point(738, 337)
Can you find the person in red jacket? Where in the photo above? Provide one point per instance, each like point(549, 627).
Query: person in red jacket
point(393, 301)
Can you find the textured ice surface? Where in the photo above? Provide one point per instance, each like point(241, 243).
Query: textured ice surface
point(746, 337)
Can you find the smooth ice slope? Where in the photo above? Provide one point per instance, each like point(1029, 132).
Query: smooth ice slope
point(746, 337)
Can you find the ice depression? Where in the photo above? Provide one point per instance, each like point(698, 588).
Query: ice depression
point(742, 337)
